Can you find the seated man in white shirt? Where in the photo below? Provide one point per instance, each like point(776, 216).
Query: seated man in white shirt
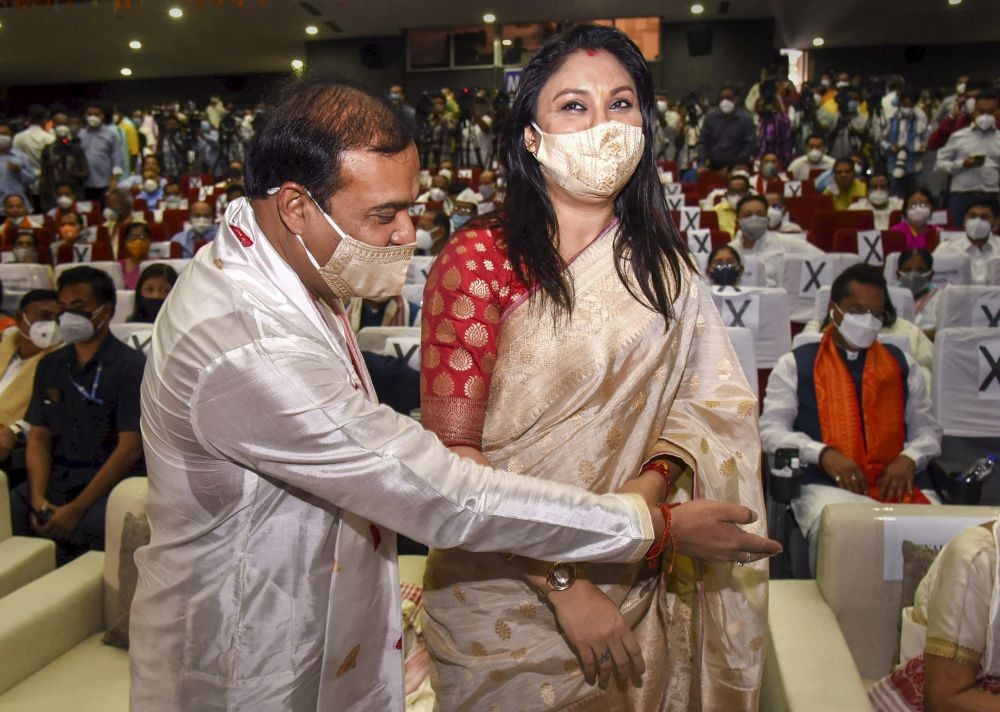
point(979, 242)
point(202, 230)
point(858, 411)
point(754, 238)
point(816, 158)
point(879, 201)
point(777, 216)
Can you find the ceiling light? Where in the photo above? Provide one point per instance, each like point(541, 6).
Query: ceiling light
point(697, 9)
point(818, 41)
point(489, 18)
point(176, 13)
point(298, 64)
point(954, 2)
point(135, 44)
point(126, 72)
point(312, 30)
point(507, 43)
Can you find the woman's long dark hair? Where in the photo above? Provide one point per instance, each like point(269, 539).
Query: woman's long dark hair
point(648, 240)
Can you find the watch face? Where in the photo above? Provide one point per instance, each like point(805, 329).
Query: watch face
point(562, 576)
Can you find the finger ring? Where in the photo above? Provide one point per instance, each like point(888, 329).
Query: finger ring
point(606, 657)
point(743, 562)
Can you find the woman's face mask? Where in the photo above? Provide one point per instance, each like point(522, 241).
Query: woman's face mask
point(724, 275)
point(916, 281)
point(594, 163)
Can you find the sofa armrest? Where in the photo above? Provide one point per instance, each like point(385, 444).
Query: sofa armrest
point(24, 559)
point(5, 524)
point(49, 616)
point(808, 667)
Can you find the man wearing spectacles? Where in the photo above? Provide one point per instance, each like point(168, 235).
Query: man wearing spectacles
point(858, 411)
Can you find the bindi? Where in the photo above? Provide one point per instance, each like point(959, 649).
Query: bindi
point(592, 52)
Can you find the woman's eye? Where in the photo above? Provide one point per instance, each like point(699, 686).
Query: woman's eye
point(573, 106)
point(622, 104)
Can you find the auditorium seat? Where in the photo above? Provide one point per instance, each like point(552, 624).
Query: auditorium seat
point(82, 252)
point(743, 344)
point(848, 240)
point(125, 299)
point(762, 310)
point(138, 336)
point(969, 306)
point(902, 300)
point(825, 224)
point(948, 269)
point(993, 271)
point(113, 269)
point(801, 210)
point(419, 268)
point(803, 275)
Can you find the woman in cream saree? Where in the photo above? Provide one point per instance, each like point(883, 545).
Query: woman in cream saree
point(589, 398)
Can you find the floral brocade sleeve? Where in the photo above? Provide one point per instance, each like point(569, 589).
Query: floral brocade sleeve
point(469, 286)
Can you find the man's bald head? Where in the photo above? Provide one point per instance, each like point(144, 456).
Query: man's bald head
point(314, 123)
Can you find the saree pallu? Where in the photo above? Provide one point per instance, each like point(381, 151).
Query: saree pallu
point(587, 400)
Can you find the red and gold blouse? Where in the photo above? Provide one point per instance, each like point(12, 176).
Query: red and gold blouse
point(470, 287)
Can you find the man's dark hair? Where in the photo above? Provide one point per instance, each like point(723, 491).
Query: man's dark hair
point(314, 122)
point(978, 204)
point(820, 136)
point(37, 295)
point(988, 95)
point(724, 248)
point(840, 161)
point(753, 197)
point(746, 181)
point(79, 218)
point(100, 283)
point(36, 114)
point(12, 195)
point(863, 274)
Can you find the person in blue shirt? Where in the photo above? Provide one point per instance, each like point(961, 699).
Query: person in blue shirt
point(104, 153)
point(202, 229)
point(16, 173)
point(152, 191)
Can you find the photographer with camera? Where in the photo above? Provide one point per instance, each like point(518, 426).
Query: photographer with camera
point(904, 139)
point(475, 131)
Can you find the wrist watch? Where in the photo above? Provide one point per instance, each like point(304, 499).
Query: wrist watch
point(561, 576)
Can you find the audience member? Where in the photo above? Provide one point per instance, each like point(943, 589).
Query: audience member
point(881, 203)
point(68, 231)
point(846, 186)
point(25, 250)
point(669, 125)
point(20, 351)
point(724, 267)
point(972, 159)
point(32, 141)
point(915, 272)
point(151, 291)
point(16, 219)
point(815, 159)
point(979, 243)
point(777, 216)
point(151, 190)
point(105, 157)
point(137, 251)
point(771, 174)
point(737, 188)
point(117, 215)
point(202, 230)
point(17, 176)
point(433, 230)
point(768, 246)
point(174, 146)
point(915, 224)
point(63, 162)
point(904, 139)
point(65, 201)
point(728, 134)
point(854, 442)
point(173, 198)
point(84, 417)
point(959, 116)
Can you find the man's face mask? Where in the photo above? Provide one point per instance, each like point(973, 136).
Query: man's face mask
point(65, 202)
point(77, 326)
point(42, 333)
point(69, 233)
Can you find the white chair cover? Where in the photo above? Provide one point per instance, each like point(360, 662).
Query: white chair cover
point(762, 310)
point(374, 338)
point(24, 277)
point(126, 304)
point(993, 271)
point(420, 266)
point(742, 339)
point(405, 347)
point(138, 336)
point(414, 293)
point(901, 297)
point(801, 276)
point(966, 389)
point(113, 269)
point(969, 306)
point(753, 272)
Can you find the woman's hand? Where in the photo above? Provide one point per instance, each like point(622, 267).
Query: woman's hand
point(708, 529)
point(596, 629)
point(650, 485)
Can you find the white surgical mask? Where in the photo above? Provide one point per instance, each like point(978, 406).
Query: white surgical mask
point(75, 327)
point(94, 121)
point(858, 330)
point(970, 105)
point(775, 216)
point(753, 227)
point(109, 215)
point(425, 241)
point(986, 122)
point(594, 163)
point(5, 142)
point(173, 199)
point(733, 198)
point(960, 88)
point(25, 255)
point(727, 106)
point(878, 197)
point(977, 228)
point(62, 131)
point(357, 269)
point(437, 194)
point(769, 170)
point(918, 215)
point(150, 185)
point(65, 202)
point(42, 334)
point(661, 106)
point(201, 224)
point(815, 155)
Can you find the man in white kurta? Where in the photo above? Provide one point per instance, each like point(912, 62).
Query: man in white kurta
point(276, 481)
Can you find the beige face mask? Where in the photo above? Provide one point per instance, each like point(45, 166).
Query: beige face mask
point(357, 269)
point(595, 163)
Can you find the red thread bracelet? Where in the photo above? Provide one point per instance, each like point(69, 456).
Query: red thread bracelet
point(663, 470)
point(655, 552)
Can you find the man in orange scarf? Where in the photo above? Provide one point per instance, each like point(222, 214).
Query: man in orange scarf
point(858, 411)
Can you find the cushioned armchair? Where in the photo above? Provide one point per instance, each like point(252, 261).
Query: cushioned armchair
point(832, 637)
point(22, 559)
point(51, 629)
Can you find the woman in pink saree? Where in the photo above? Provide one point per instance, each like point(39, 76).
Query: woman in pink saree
point(570, 338)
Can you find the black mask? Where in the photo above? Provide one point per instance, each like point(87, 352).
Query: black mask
point(725, 275)
point(146, 309)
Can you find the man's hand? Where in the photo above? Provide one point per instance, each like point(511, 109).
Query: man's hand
point(843, 470)
point(64, 521)
point(972, 161)
point(14, 166)
point(596, 629)
point(7, 442)
point(707, 529)
point(897, 480)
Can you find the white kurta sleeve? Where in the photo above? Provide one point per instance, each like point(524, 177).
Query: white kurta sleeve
point(923, 434)
point(781, 406)
point(286, 409)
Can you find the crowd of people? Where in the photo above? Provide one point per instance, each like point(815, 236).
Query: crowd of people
point(130, 188)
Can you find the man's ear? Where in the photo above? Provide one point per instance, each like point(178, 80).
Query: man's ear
point(291, 203)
